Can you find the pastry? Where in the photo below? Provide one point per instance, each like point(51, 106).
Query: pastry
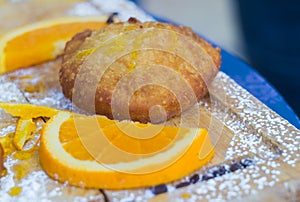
point(147, 72)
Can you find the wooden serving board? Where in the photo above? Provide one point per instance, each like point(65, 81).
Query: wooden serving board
point(257, 151)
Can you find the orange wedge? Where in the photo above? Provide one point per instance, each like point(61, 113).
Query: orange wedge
point(96, 152)
point(42, 41)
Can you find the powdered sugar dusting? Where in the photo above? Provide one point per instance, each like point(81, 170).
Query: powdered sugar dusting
point(259, 134)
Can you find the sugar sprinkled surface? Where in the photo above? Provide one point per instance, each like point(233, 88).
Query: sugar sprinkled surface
point(246, 142)
point(240, 111)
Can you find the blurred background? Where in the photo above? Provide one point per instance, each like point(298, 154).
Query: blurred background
point(215, 19)
point(263, 33)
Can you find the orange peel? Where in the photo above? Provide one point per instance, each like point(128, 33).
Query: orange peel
point(25, 128)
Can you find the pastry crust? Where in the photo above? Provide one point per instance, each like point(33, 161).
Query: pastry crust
point(158, 70)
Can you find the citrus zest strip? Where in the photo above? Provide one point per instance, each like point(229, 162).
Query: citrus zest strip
point(25, 128)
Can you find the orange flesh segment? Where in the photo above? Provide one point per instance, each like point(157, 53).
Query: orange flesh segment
point(40, 45)
point(144, 146)
point(69, 138)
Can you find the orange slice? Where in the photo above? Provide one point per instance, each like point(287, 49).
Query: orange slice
point(97, 152)
point(42, 41)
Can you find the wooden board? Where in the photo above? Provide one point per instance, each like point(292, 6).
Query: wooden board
point(243, 130)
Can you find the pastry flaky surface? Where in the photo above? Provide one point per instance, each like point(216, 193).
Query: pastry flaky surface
point(145, 72)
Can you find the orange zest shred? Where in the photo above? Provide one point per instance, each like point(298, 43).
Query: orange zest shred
point(25, 128)
point(7, 144)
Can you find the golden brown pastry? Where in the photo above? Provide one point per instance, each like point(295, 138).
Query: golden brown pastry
point(140, 71)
